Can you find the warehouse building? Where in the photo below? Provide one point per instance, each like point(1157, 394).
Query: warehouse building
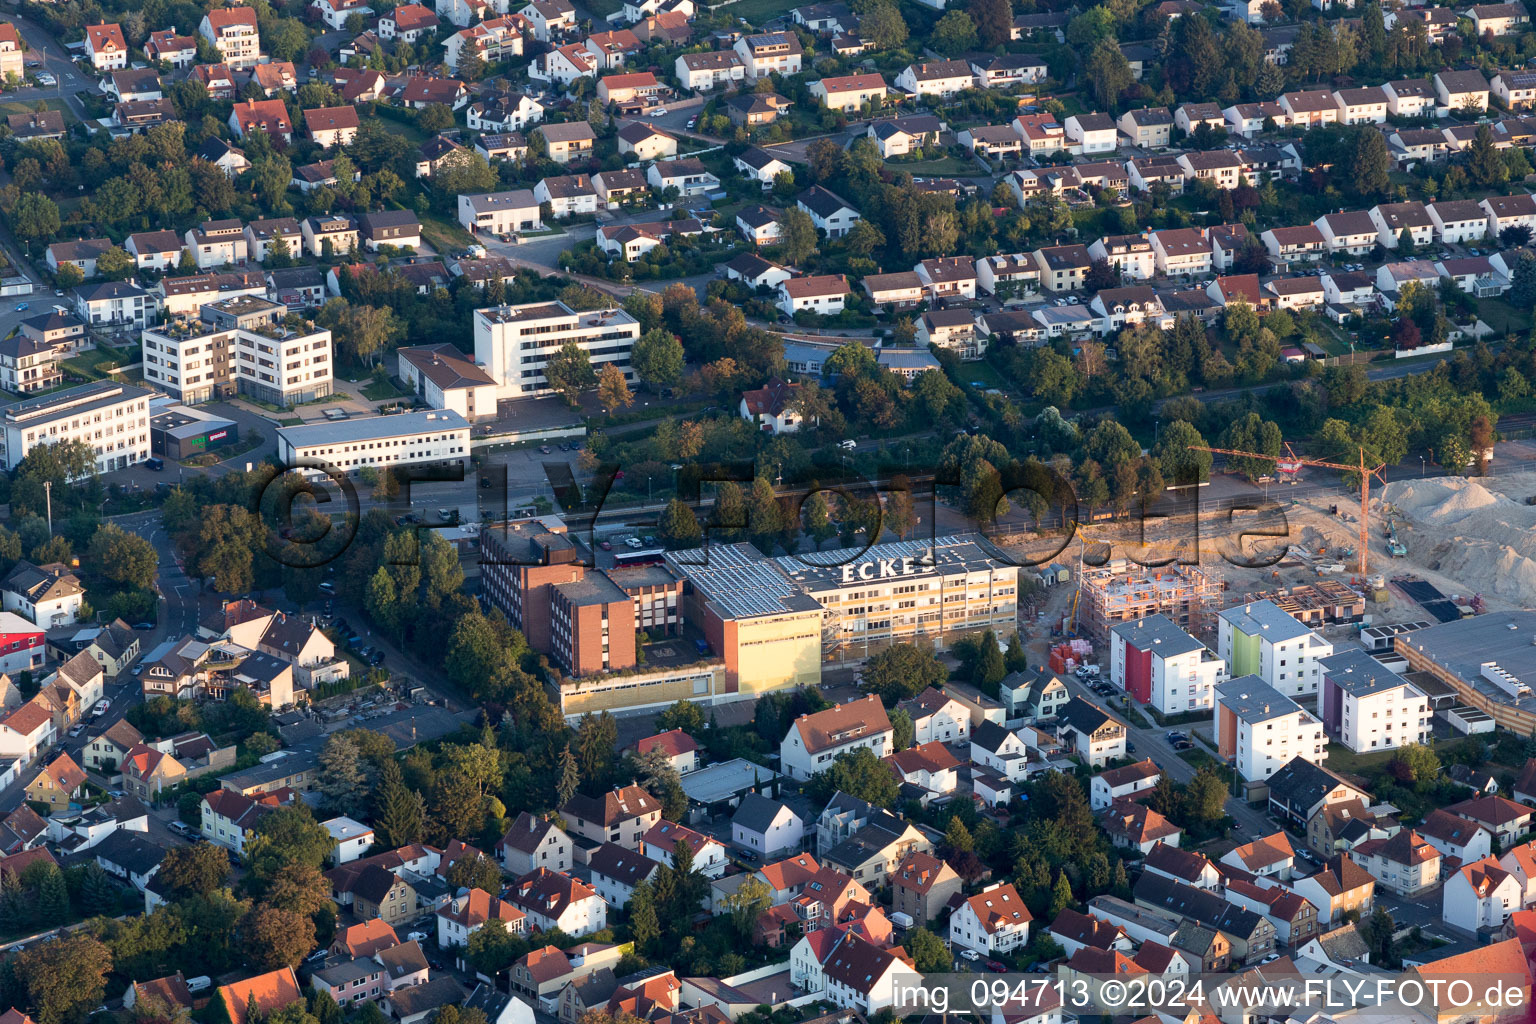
point(177, 432)
point(1489, 660)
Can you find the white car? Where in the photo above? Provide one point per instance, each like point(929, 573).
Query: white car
point(101, 708)
point(970, 954)
point(848, 445)
point(44, 78)
point(634, 542)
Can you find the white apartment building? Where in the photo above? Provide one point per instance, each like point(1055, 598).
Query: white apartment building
point(112, 418)
point(814, 741)
point(435, 436)
point(1367, 706)
point(1259, 729)
point(234, 33)
point(515, 343)
point(241, 345)
point(1260, 638)
point(1482, 895)
point(1157, 663)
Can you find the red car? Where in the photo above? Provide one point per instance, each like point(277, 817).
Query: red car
point(996, 968)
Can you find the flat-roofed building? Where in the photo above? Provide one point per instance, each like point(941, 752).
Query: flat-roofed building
point(437, 436)
point(112, 418)
point(515, 343)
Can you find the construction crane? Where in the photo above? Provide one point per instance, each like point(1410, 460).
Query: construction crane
point(1366, 472)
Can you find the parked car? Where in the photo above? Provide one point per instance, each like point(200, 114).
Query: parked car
point(996, 967)
point(969, 954)
point(155, 463)
point(143, 626)
point(76, 730)
point(22, 306)
point(605, 545)
point(1174, 736)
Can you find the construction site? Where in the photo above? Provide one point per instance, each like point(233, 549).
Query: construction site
point(1438, 549)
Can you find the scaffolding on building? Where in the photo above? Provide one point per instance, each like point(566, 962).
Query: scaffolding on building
point(1120, 592)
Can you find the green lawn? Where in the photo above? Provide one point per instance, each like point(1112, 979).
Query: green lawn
point(948, 166)
point(379, 389)
point(754, 11)
point(444, 235)
point(27, 107)
point(981, 376)
point(1502, 316)
point(88, 364)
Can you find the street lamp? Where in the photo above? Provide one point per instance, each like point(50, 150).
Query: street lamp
point(1422, 465)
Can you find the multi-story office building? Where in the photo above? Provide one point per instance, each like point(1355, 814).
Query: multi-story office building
point(592, 625)
point(112, 418)
point(382, 442)
point(898, 592)
point(245, 345)
point(515, 343)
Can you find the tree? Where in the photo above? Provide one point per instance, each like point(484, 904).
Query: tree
point(1485, 164)
point(274, 938)
point(613, 390)
point(287, 835)
point(33, 218)
point(1175, 454)
point(1369, 163)
point(750, 899)
point(435, 117)
point(903, 729)
point(115, 264)
point(341, 778)
point(988, 670)
point(492, 949)
point(678, 528)
point(70, 275)
point(861, 774)
point(475, 873)
point(400, 815)
point(1414, 763)
point(797, 236)
point(596, 736)
point(928, 952)
point(122, 557)
point(1523, 280)
point(1377, 930)
point(884, 25)
point(1061, 895)
point(765, 518)
point(1205, 797)
point(64, 979)
point(902, 671)
point(994, 21)
point(684, 715)
point(195, 870)
point(569, 371)
point(569, 777)
point(644, 925)
point(658, 357)
point(954, 34)
point(957, 838)
point(1109, 72)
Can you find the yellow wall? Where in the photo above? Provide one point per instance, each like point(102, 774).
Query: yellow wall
point(778, 652)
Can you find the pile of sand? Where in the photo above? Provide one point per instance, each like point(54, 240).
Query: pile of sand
point(1483, 540)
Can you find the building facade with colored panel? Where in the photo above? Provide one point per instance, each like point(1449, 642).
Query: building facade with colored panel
point(1260, 638)
point(23, 646)
point(1366, 706)
point(1259, 729)
point(1157, 663)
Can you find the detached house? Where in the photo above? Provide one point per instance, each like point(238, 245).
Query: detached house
point(827, 211)
point(532, 843)
point(814, 741)
point(622, 816)
point(944, 79)
point(851, 92)
point(772, 407)
point(995, 920)
point(552, 900)
point(58, 784)
point(770, 53)
point(823, 294)
point(105, 47)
